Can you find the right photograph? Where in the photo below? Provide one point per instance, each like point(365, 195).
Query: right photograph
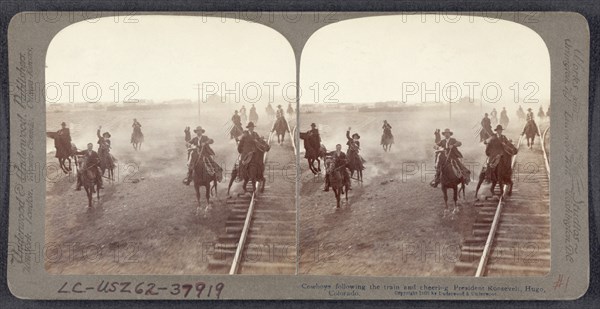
point(424, 148)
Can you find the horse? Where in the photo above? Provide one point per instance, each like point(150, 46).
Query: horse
point(88, 176)
point(280, 127)
point(501, 173)
point(236, 132)
point(313, 152)
point(202, 177)
point(387, 139)
point(521, 114)
point(270, 112)
point(253, 116)
point(64, 151)
point(251, 167)
point(504, 120)
point(336, 180)
point(107, 163)
point(355, 164)
point(530, 131)
point(451, 176)
point(137, 137)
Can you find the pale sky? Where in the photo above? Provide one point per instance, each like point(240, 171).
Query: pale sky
point(370, 58)
point(166, 55)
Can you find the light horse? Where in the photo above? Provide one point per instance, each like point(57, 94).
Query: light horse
point(280, 127)
point(251, 167)
point(336, 180)
point(88, 180)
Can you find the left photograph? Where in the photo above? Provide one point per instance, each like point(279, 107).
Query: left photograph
point(170, 148)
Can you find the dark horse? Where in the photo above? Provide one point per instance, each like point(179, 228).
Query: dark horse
point(501, 173)
point(387, 139)
point(451, 176)
point(280, 127)
point(530, 131)
point(107, 163)
point(251, 168)
point(88, 179)
point(137, 137)
point(336, 180)
point(314, 151)
point(64, 151)
point(203, 177)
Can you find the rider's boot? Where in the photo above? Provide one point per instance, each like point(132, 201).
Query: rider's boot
point(188, 179)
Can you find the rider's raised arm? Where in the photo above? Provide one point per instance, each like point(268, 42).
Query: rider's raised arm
point(348, 135)
point(98, 133)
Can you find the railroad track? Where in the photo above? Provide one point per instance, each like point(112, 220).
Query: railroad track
point(260, 233)
point(511, 235)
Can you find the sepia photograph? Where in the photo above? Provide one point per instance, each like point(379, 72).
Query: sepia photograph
point(429, 154)
point(169, 148)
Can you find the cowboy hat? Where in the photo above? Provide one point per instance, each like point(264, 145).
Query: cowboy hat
point(313, 125)
point(63, 123)
point(356, 134)
point(199, 128)
point(250, 125)
point(447, 131)
point(529, 109)
point(498, 127)
point(279, 105)
point(105, 134)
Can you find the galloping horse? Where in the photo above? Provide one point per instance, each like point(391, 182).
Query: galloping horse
point(203, 177)
point(137, 137)
point(64, 151)
point(88, 179)
point(530, 131)
point(280, 127)
point(501, 173)
point(451, 176)
point(107, 163)
point(313, 152)
point(251, 164)
point(270, 112)
point(336, 180)
point(387, 139)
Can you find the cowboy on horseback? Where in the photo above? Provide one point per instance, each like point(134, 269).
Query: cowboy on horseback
point(281, 127)
point(529, 114)
point(93, 161)
point(340, 162)
point(237, 129)
point(253, 114)
point(353, 150)
point(447, 150)
point(504, 117)
point(486, 128)
point(290, 109)
point(495, 147)
point(279, 112)
point(62, 143)
point(530, 131)
point(387, 134)
point(104, 147)
point(137, 136)
point(243, 113)
point(247, 148)
point(199, 149)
